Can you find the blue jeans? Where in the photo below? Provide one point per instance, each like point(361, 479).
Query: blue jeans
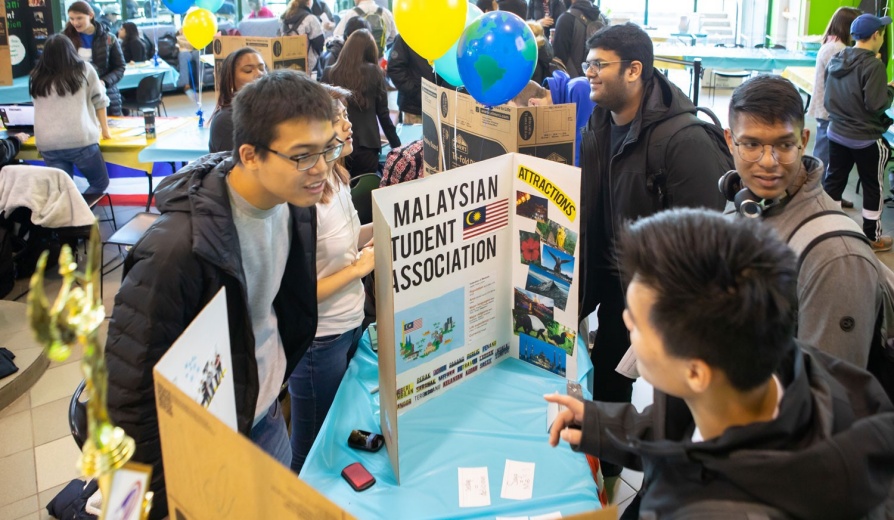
point(821, 144)
point(271, 435)
point(88, 160)
point(313, 385)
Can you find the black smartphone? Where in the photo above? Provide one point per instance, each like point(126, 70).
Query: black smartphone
point(358, 477)
point(364, 440)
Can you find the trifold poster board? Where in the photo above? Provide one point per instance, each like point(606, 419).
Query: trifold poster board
point(211, 471)
point(457, 130)
point(478, 265)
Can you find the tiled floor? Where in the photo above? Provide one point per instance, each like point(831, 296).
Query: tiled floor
point(37, 454)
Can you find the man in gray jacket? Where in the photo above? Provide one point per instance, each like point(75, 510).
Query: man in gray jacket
point(839, 292)
point(856, 98)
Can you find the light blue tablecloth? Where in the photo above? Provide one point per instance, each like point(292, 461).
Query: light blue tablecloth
point(737, 58)
point(18, 92)
point(497, 415)
point(133, 74)
point(182, 145)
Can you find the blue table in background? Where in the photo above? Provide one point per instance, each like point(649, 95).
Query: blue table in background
point(133, 73)
point(737, 58)
point(497, 415)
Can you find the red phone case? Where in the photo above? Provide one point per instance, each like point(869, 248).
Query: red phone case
point(358, 477)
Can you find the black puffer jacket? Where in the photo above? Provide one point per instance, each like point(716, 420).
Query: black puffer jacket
point(182, 261)
point(108, 60)
point(615, 189)
point(406, 68)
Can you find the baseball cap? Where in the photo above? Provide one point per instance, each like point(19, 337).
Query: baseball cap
point(866, 24)
point(113, 9)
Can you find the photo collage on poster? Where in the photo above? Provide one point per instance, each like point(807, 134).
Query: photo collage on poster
point(548, 252)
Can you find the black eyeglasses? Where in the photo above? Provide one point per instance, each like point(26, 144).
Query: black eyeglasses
point(307, 161)
point(598, 65)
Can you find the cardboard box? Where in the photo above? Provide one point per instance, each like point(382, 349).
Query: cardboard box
point(5, 56)
point(284, 52)
point(457, 130)
point(211, 471)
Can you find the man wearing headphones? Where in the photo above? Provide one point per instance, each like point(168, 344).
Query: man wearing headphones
point(839, 290)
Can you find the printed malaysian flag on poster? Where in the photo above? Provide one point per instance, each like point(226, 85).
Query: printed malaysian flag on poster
point(485, 219)
point(414, 325)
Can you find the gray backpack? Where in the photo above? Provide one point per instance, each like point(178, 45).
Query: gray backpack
point(829, 224)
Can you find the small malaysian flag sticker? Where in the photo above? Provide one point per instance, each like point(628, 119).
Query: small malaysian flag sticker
point(414, 325)
point(485, 219)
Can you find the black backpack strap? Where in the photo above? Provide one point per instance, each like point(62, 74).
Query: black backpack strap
point(360, 12)
point(819, 227)
point(658, 136)
point(379, 11)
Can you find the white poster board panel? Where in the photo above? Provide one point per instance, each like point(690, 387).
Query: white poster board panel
point(200, 363)
point(479, 266)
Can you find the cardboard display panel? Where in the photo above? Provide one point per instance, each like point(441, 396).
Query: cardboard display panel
point(283, 52)
point(480, 266)
point(458, 131)
point(211, 471)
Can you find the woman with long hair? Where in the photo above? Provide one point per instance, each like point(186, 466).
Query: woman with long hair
point(357, 70)
point(96, 46)
point(237, 70)
point(836, 37)
point(70, 112)
point(340, 296)
point(132, 44)
point(299, 19)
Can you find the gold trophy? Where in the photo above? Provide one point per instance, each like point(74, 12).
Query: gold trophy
point(74, 319)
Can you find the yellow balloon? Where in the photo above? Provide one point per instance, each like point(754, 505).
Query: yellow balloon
point(199, 28)
point(430, 27)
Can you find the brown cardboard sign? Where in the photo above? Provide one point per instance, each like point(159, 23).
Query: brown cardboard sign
point(211, 471)
point(458, 131)
point(284, 52)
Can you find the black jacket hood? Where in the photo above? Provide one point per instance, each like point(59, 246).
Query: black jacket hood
point(172, 193)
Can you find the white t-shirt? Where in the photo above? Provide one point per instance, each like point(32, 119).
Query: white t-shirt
point(780, 390)
point(338, 229)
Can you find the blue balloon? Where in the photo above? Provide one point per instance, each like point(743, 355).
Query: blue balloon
point(178, 6)
point(211, 5)
point(496, 57)
point(446, 65)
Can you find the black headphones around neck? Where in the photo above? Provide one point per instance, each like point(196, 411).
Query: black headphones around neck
point(747, 203)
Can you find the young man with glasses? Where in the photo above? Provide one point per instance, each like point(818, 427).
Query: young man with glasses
point(628, 171)
point(857, 98)
point(839, 294)
point(245, 222)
